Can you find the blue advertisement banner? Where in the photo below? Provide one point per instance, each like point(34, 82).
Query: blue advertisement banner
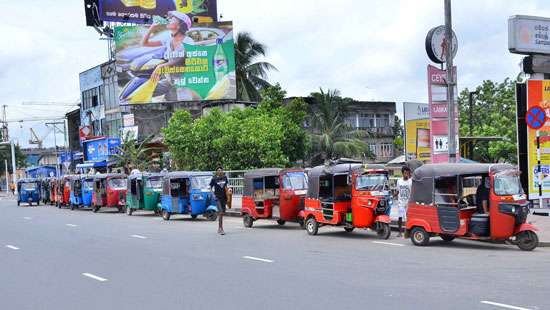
point(101, 149)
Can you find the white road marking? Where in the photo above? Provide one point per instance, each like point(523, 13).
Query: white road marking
point(258, 259)
point(89, 275)
point(387, 243)
point(72, 225)
point(496, 304)
point(138, 236)
point(12, 247)
point(27, 218)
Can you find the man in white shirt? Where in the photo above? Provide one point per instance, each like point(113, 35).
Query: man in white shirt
point(403, 193)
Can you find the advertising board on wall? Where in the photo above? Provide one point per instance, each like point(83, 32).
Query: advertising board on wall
point(417, 131)
point(160, 63)
point(90, 79)
point(439, 118)
point(538, 94)
point(142, 11)
point(101, 149)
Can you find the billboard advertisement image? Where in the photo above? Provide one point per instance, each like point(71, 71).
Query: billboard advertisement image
point(143, 11)
point(101, 149)
point(171, 60)
point(417, 131)
point(538, 94)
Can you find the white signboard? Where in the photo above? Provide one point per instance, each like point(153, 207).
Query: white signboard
point(90, 79)
point(128, 120)
point(529, 34)
point(440, 144)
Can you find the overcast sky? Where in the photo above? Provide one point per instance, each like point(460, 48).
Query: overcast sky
point(368, 49)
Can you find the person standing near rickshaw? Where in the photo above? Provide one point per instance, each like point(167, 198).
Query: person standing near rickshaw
point(403, 193)
point(219, 184)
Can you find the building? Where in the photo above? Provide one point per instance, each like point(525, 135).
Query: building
point(378, 119)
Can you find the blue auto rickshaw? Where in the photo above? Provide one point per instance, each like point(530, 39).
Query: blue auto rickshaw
point(28, 191)
point(188, 193)
point(87, 191)
point(75, 200)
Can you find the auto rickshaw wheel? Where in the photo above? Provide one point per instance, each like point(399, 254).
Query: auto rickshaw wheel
point(349, 229)
point(194, 216)
point(419, 236)
point(18, 203)
point(281, 222)
point(38, 203)
point(95, 209)
point(129, 211)
point(384, 231)
point(301, 223)
point(248, 221)
point(312, 227)
point(447, 238)
point(211, 215)
point(527, 240)
point(165, 215)
point(72, 206)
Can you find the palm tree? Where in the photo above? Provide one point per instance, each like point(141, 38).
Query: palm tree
point(332, 137)
point(251, 74)
point(131, 154)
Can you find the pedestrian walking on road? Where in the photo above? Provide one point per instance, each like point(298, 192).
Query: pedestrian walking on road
point(403, 193)
point(219, 184)
point(12, 188)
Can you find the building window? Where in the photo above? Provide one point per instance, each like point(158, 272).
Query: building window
point(351, 120)
point(386, 150)
point(382, 120)
point(366, 120)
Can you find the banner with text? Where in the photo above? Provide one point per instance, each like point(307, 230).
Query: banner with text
point(417, 131)
point(439, 118)
point(143, 11)
point(160, 64)
point(538, 94)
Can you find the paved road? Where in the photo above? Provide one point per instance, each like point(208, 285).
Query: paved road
point(62, 259)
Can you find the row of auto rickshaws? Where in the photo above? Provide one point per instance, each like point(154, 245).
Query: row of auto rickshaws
point(343, 194)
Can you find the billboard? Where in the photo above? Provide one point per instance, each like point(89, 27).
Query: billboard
point(538, 94)
point(529, 35)
point(439, 120)
point(101, 149)
point(417, 131)
point(143, 11)
point(159, 63)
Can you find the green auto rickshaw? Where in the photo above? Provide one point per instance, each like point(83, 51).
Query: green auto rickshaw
point(144, 191)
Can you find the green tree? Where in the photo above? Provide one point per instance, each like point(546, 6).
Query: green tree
point(494, 112)
point(132, 154)
point(251, 74)
point(5, 154)
point(398, 131)
point(331, 136)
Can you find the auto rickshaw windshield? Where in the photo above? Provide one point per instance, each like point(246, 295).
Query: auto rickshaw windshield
point(295, 181)
point(28, 186)
point(117, 183)
point(88, 185)
point(201, 182)
point(372, 182)
point(506, 185)
point(154, 183)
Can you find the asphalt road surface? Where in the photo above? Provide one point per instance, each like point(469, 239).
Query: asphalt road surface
point(62, 259)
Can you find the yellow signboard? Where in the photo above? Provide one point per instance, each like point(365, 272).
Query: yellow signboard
point(538, 94)
point(417, 131)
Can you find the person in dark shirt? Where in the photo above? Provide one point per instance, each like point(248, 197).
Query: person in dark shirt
point(219, 184)
point(482, 196)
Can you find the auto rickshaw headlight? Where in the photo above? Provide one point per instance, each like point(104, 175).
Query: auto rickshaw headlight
point(513, 209)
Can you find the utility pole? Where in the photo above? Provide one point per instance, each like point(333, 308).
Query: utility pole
point(471, 122)
point(13, 165)
point(7, 176)
point(55, 130)
point(450, 81)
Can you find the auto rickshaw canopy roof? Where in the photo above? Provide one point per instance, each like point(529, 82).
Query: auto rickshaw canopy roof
point(142, 175)
point(185, 174)
point(262, 173)
point(450, 170)
point(109, 175)
point(28, 180)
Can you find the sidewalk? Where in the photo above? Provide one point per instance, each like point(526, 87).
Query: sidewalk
point(543, 225)
point(541, 222)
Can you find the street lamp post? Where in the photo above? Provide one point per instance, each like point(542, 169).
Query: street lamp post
point(14, 166)
point(450, 82)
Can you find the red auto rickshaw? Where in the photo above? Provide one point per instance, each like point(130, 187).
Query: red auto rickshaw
point(109, 192)
point(444, 202)
point(348, 195)
point(63, 191)
point(274, 194)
